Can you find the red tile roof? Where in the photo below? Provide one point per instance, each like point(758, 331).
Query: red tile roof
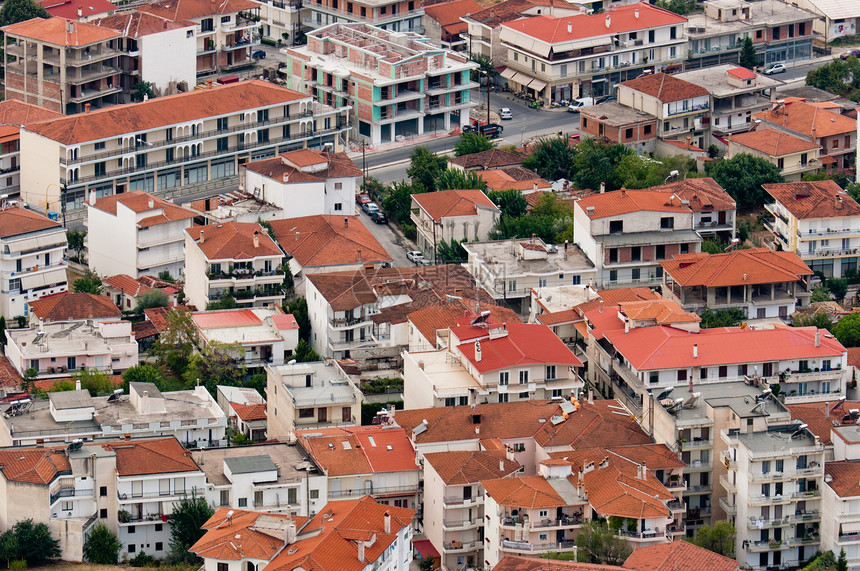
point(501, 179)
point(143, 329)
point(845, 477)
point(620, 19)
point(155, 456)
point(666, 88)
point(56, 31)
point(16, 112)
point(15, 221)
point(10, 380)
point(179, 10)
point(359, 450)
point(241, 534)
point(489, 159)
point(69, 8)
point(669, 556)
point(448, 14)
point(525, 344)
point(233, 241)
point(138, 201)
point(739, 267)
point(33, 465)
point(69, 306)
point(808, 120)
point(287, 167)
point(442, 316)
point(524, 492)
point(814, 199)
point(139, 24)
point(250, 412)
point(322, 240)
point(518, 563)
point(457, 467)
point(661, 312)
point(620, 202)
point(772, 142)
point(506, 11)
point(450, 203)
point(821, 417)
point(703, 194)
point(163, 111)
point(126, 284)
point(742, 73)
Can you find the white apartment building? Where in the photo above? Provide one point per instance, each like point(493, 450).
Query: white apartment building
point(818, 221)
point(586, 55)
point(32, 249)
point(14, 114)
point(774, 482)
point(792, 155)
point(267, 335)
point(136, 233)
point(281, 20)
point(236, 259)
point(448, 215)
point(840, 504)
point(170, 145)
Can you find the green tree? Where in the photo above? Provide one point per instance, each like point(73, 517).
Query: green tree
point(636, 171)
point(14, 11)
point(596, 162)
point(92, 380)
point(165, 274)
point(150, 299)
point(397, 199)
point(451, 252)
point(304, 353)
point(847, 330)
point(485, 67)
point(89, 283)
point(102, 546)
point(175, 344)
point(186, 527)
point(35, 542)
point(681, 7)
point(510, 202)
point(713, 246)
point(551, 158)
point(217, 364)
point(455, 179)
point(373, 188)
point(226, 302)
point(841, 177)
point(742, 176)
point(841, 77)
point(9, 548)
point(76, 238)
point(470, 143)
point(748, 57)
point(729, 317)
point(298, 308)
point(719, 538)
point(143, 373)
point(599, 544)
point(838, 287)
point(142, 90)
point(27, 380)
point(819, 294)
point(853, 190)
point(842, 562)
point(822, 562)
point(425, 166)
point(820, 320)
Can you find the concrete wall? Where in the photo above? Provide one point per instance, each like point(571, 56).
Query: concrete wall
point(169, 56)
point(40, 170)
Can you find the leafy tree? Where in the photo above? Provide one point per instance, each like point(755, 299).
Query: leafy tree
point(853, 190)
point(141, 90)
point(427, 564)
point(841, 177)
point(9, 547)
point(819, 294)
point(165, 274)
point(713, 246)
point(838, 287)
point(730, 317)
point(470, 143)
point(217, 364)
point(551, 158)
point(822, 562)
point(152, 298)
point(29, 376)
point(298, 308)
point(681, 7)
point(455, 179)
point(719, 538)
point(14, 11)
point(143, 373)
point(424, 168)
point(748, 58)
point(485, 66)
point(186, 527)
point(397, 199)
point(102, 546)
point(76, 238)
point(226, 302)
point(35, 542)
point(841, 77)
point(304, 353)
point(451, 252)
point(174, 346)
point(742, 176)
point(373, 188)
point(847, 330)
point(92, 380)
point(842, 562)
point(636, 171)
point(598, 544)
point(596, 162)
point(89, 283)
point(510, 202)
point(819, 319)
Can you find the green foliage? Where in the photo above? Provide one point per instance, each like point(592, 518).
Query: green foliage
point(551, 158)
point(34, 543)
point(451, 252)
point(298, 308)
point(823, 562)
point(841, 177)
point(719, 538)
point(742, 176)
point(76, 238)
point(288, 284)
point(713, 151)
point(681, 7)
point(551, 220)
point(841, 77)
point(369, 410)
point(842, 562)
point(748, 57)
point(636, 171)
point(847, 330)
point(22, 321)
point(427, 564)
point(560, 556)
point(239, 439)
point(397, 199)
point(838, 287)
point(165, 274)
point(456, 179)
point(14, 11)
point(599, 544)
point(596, 162)
point(217, 364)
point(853, 190)
point(381, 385)
point(92, 380)
point(144, 88)
point(29, 376)
point(304, 353)
point(186, 527)
point(143, 373)
point(510, 202)
point(820, 293)
point(89, 283)
point(9, 548)
point(102, 546)
point(729, 317)
point(174, 346)
point(820, 320)
point(373, 188)
point(143, 559)
point(713, 246)
point(424, 168)
point(472, 143)
point(18, 564)
point(150, 299)
point(485, 67)
point(226, 302)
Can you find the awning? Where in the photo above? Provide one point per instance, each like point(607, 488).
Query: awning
point(537, 85)
point(521, 78)
point(32, 243)
point(508, 73)
point(34, 281)
point(851, 527)
point(425, 549)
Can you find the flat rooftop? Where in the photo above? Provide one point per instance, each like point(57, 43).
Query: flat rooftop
point(770, 12)
point(291, 464)
point(615, 114)
point(232, 206)
point(188, 406)
point(328, 385)
point(780, 442)
point(62, 338)
point(449, 377)
point(502, 257)
point(561, 298)
point(739, 396)
point(716, 81)
point(38, 422)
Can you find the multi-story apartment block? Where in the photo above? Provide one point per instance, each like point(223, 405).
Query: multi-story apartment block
point(761, 282)
point(835, 133)
point(32, 249)
point(780, 32)
point(236, 259)
point(834, 19)
point(136, 233)
point(773, 483)
point(682, 109)
point(266, 335)
point(840, 504)
point(713, 208)
point(226, 31)
point(309, 395)
point(792, 155)
point(396, 84)
point(391, 15)
point(445, 215)
point(281, 20)
point(14, 114)
point(169, 145)
point(562, 58)
point(454, 501)
point(444, 25)
point(818, 221)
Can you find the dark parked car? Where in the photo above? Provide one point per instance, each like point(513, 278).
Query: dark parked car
point(258, 54)
point(489, 130)
point(378, 217)
point(853, 52)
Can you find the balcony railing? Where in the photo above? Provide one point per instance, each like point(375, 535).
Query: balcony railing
point(458, 546)
point(70, 493)
point(526, 546)
point(375, 491)
point(459, 500)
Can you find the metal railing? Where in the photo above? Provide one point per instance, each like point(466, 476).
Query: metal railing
point(374, 491)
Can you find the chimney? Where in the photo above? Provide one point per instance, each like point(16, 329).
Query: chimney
point(208, 84)
point(150, 203)
point(478, 351)
point(590, 395)
point(636, 13)
point(361, 551)
point(346, 222)
point(689, 143)
point(600, 304)
point(602, 187)
point(86, 107)
point(256, 239)
point(608, 20)
point(92, 198)
point(297, 236)
point(827, 410)
point(387, 527)
point(570, 27)
point(501, 465)
point(81, 12)
point(695, 351)
point(838, 202)
point(623, 193)
point(77, 384)
point(817, 337)
point(202, 237)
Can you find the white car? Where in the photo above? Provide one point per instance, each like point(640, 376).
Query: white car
point(416, 257)
point(774, 68)
point(505, 113)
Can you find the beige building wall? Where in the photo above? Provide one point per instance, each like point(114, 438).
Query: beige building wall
point(40, 171)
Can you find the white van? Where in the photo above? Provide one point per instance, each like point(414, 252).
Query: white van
point(580, 103)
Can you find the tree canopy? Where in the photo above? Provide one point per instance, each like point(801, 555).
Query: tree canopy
point(425, 166)
point(847, 330)
point(748, 57)
point(841, 77)
point(217, 364)
point(472, 143)
point(729, 317)
point(599, 544)
point(76, 238)
point(175, 344)
point(90, 282)
point(29, 541)
point(719, 538)
point(551, 158)
point(14, 11)
point(102, 546)
point(150, 299)
point(186, 527)
point(742, 176)
point(596, 162)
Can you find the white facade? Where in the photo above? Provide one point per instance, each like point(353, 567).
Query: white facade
point(335, 332)
point(169, 57)
point(840, 524)
point(471, 228)
point(295, 199)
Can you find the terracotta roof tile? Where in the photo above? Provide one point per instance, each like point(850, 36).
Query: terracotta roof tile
point(502, 179)
point(525, 344)
point(666, 88)
point(772, 142)
point(814, 199)
point(703, 194)
point(655, 456)
point(15, 221)
point(359, 449)
point(156, 456)
point(143, 329)
point(250, 412)
point(629, 201)
point(126, 284)
point(10, 380)
point(490, 159)
point(739, 267)
point(178, 10)
point(662, 312)
point(683, 554)
point(821, 417)
point(451, 203)
point(808, 120)
point(138, 24)
point(524, 492)
point(471, 467)
point(286, 167)
point(219, 541)
point(845, 477)
point(138, 201)
point(33, 465)
point(431, 319)
point(233, 241)
point(742, 73)
point(16, 112)
point(506, 11)
point(69, 8)
point(448, 14)
point(68, 306)
point(323, 240)
point(56, 31)
point(517, 563)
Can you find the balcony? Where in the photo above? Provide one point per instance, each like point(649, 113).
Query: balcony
point(698, 466)
point(375, 491)
point(808, 494)
point(727, 484)
point(760, 500)
point(461, 546)
point(677, 507)
point(767, 545)
point(696, 444)
point(808, 516)
point(458, 501)
point(402, 95)
point(770, 477)
point(343, 323)
point(64, 493)
point(137, 519)
point(675, 484)
point(90, 94)
point(849, 539)
point(460, 524)
point(729, 508)
point(442, 89)
point(691, 109)
point(637, 536)
point(759, 523)
point(677, 529)
point(518, 546)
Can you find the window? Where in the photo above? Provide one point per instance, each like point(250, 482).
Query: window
point(654, 377)
point(660, 252)
point(613, 275)
point(685, 248)
point(616, 226)
point(223, 567)
point(628, 134)
point(292, 496)
point(159, 546)
point(524, 396)
point(512, 285)
point(635, 274)
point(286, 132)
point(306, 413)
point(140, 160)
point(99, 146)
point(131, 529)
point(635, 253)
point(338, 206)
point(835, 143)
point(263, 136)
point(103, 513)
point(651, 36)
point(504, 377)
point(667, 223)
point(222, 123)
point(223, 143)
point(550, 372)
point(613, 255)
point(742, 370)
point(140, 141)
point(103, 491)
point(524, 377)
point(262, 115)
point(132, 547)
point(450, 401)
point(665, 125)
point(723, 371)
point(159, 526)
point(314, 494)
point(673, 33)
point(576, 280)
point(168, 156)
point(503, 397)
point(682, 375)
point(673, 51)
point(847, 141)
point(647, 130)
point(243, 502)
point(703, 373)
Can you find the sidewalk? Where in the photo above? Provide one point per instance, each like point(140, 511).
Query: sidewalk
point(355, 149)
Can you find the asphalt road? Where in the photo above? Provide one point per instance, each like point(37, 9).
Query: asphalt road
point(393, 243)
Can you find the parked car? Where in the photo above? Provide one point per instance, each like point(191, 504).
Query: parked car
point(378, 217)
point(580, 103)
point(416, 257)
point(505, 113)
point(362, 199)
point(605, 99)
point(369, 207)
point(258, 54)
point(774, 68)
point(852, 52)
point(489, 130)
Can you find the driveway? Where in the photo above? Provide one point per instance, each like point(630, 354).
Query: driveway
point(393, 243)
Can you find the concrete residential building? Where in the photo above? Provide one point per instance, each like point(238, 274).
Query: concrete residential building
point(818, 221)
point(310, 395)
point(236, 259)
point(282, 21)
point(390, 15)
point(304, 182)
point(266, 334)
point(484, 26)
point(395, 83)
point(840, 526)
point(13, 115)
point(444, 24)
point(682, 109)
point(428, 328)
point(618, 123)
point(136, 233)
point(792, 155)
point(32, 249)
point(761, 282)
point(242, 405)
point(836, 19)
point(446, 215)
point(169, 145)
